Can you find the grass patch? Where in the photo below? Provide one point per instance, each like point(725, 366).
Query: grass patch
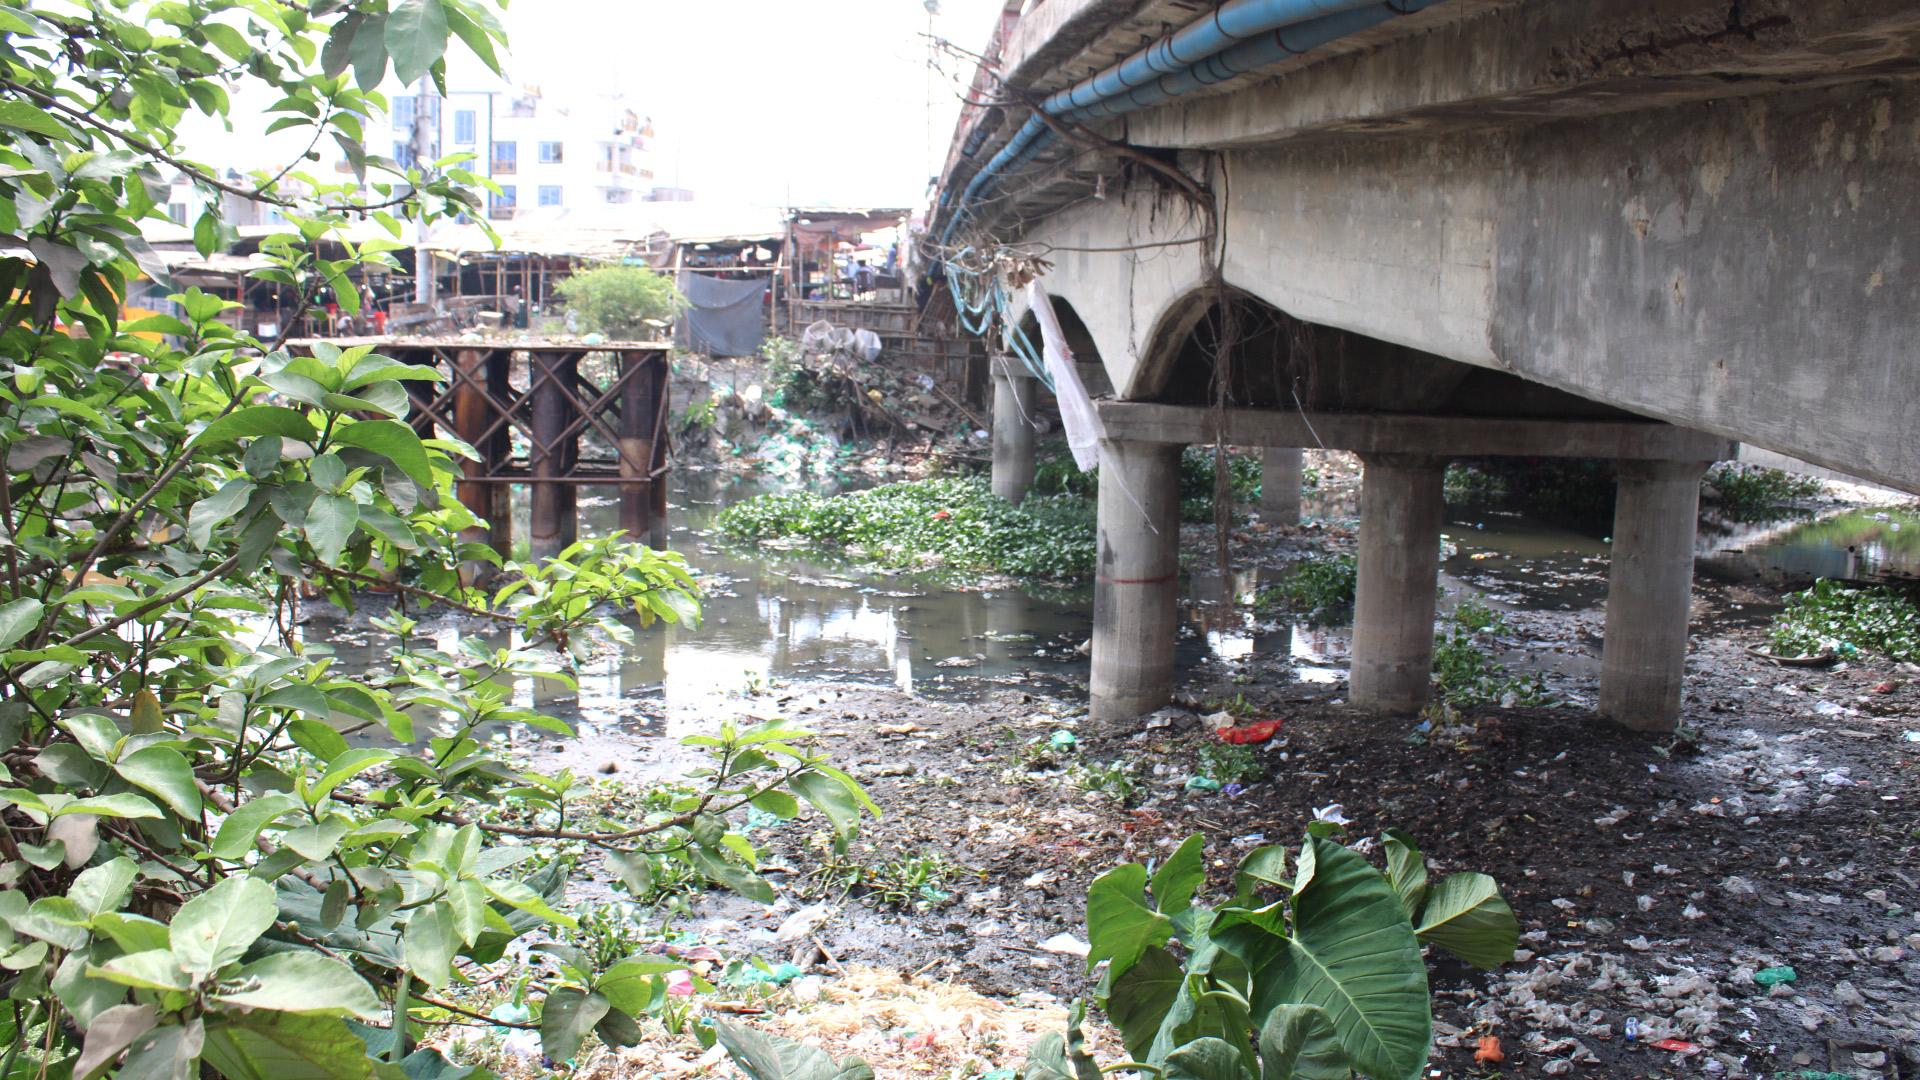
point(919, 882)
point(1230, 763)
point(1833, 616)
point(1753, 493)
point(1320, 586)
point(953, 522)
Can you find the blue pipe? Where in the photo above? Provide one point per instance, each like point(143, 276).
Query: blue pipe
point(1238, 37)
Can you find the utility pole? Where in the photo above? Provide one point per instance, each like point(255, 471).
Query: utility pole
point(423, 140)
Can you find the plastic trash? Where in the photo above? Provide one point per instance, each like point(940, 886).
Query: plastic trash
point(1063, 740)
point(1489, 1052)
point(1202, 783)
point(1774, 976)
point(1332, 813)
point(509, 1013)
point(749, 975)
point(1631, 1029)
point(1912, 736)
point(1250, 733)
point(1678, 1046)
point(1231, 790)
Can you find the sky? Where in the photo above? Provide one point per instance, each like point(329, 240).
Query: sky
point(762, 102)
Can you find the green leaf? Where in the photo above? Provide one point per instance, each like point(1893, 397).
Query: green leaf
point(337, 55)
point(392, 440)
point(215, 928)
point(122, 805)
point(1406, 871)
point(152, 969)
point(519, 895)
point(165, 1053)
point(565, 1019)
point(1466, 916)
point(618, 1029)
point(24, 116)
point(1264, 867)
point(346, 766)
point(103, 888)
point(330, 524)
point(1177, 878)
point(303, 982)
point(1141, 998)
point(238, 831)
point(1120, 926)
point(831, 798)
point(430, 942)
point(318, 840)
point(96, 734)
point(769, 1057)
point(286, 1046)
point(256, 420)
point(216, 508)
point(369, 53)
point(1297, 1043)
point(17, 619)
point(85, 997)
point(166, 773)
point(111, 1032)
point(416, 37)
point(1205, 1059)
point(635, 870)
point(628, 985)
point(1353, 954)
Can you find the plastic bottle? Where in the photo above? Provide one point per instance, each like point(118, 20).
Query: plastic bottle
point(1631, 1029)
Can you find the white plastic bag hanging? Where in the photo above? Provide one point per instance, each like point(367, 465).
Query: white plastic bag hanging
point(1077, 414)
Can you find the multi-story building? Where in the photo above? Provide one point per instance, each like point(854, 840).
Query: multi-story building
point(590, 152)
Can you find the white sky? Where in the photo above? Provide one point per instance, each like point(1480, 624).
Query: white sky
point(753, 101)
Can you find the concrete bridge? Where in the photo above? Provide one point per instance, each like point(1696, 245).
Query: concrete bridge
point(1635, 229)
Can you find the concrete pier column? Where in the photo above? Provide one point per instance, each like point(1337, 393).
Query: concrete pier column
point(1280, 476)
point(1649, 592)
point(1136, 579)
point(1013, 434)
point(1400, 515)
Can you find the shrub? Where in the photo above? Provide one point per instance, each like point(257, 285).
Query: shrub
point(619, 300)
point(1753, 493)
point(1319, 586)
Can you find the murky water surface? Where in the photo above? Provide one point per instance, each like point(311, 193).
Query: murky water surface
point(773, 614)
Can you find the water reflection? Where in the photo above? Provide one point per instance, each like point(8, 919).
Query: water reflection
point(1857, 545)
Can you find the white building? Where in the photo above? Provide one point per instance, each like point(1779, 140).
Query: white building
point(590, 152)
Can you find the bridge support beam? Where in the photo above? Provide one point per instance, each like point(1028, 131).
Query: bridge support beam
point(1649, 592)
point(1401, 509)
point(1136, 582)
point(553, 525)
point(1013, 435)
point(1280, 475)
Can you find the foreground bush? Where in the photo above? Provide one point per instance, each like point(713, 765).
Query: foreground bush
point(1830, 617)
point(955, 523)
point(221, 853)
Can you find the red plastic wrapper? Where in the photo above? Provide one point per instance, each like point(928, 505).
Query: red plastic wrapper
point(1678, 1046)
point(1250, 733)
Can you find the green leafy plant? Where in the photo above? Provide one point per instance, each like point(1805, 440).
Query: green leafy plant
point(770, 1057)
point(1834, 617)
point(1756, 493)
point(222, 853)
point(919, 882)
point(1312, 976)
point(1117, 779)
point(949, 522)
point(619, 300)
point(1230, 763)
point(1465, 675)
point(1320, 586)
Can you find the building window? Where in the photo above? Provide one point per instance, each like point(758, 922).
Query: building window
point(178, 212)
point(403, 112)
point(506, 158)
point(463, 127)
point(403, 155)
point(501, 205)
point(549, 195)
point(550, 154)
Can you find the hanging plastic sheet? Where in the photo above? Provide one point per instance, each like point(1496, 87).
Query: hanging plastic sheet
point(724, 317)
point(1077, 414)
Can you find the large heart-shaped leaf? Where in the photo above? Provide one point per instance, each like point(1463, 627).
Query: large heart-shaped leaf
point(1353, 954)
point(1120, 925)
point(1297, 1043)
point(769, 1057)
point(1205, 1059)
point(566, 1018)
point(1466, 916)
point(1406, 871)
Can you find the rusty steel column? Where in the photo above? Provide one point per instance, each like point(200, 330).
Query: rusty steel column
point(552, 526)
point(469, 420)
point(498, 453)
point(637, 405)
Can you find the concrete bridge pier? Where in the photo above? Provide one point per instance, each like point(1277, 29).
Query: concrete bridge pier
point(1013, 431)
point(1643, 660)
point(1401, 511)
point(1136, 578)
point(1280, 477)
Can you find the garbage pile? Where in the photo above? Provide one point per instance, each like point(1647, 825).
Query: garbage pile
point(830, 402)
